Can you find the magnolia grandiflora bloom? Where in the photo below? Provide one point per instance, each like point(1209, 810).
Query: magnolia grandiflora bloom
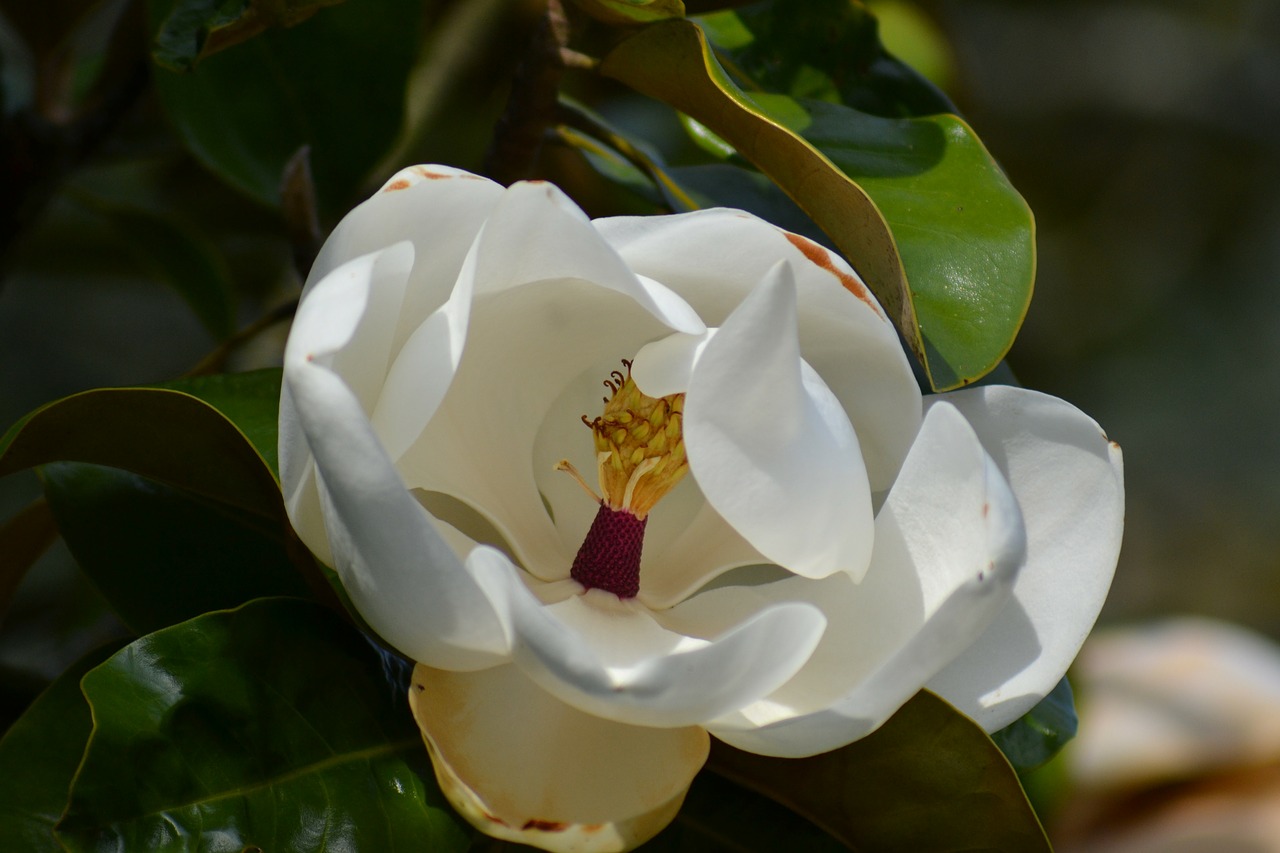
point(763, 533)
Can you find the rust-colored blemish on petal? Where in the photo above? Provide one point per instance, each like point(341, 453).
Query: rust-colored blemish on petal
point(400, 184)
point(591, 828)
point(493, 819)
point(545, 825)
point(986, 509)
point(822, 258)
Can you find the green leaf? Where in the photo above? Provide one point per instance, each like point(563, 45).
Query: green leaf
point(721, 817)
point(38, 759)
point(165, 434)
point(250, 400)
point(269, 727)
point(185, 32)
point(832, 51)
point(917, 205)
point(632, 12)
point(335, 82)
point(197, 28)
point(928, 779)
point(161, 555)
point(1038, 735)
point(178, 257)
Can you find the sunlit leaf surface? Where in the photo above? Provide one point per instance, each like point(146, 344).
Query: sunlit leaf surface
point(269, 727)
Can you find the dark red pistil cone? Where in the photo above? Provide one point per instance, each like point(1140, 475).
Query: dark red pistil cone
point(609, 558)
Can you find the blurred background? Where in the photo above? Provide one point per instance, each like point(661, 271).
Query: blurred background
point(1145, 135)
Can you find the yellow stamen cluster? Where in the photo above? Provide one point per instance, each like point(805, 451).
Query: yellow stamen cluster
point(639, 445)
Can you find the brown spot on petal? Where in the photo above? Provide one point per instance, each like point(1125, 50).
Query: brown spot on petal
point(1115, 445)
point(401, 184)
point(493, 818)
point(822, 258)
point(590, 828)
point(986, 508)
point(545, 825)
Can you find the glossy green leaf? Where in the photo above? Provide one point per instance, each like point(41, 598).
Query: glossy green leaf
point(38, 759)
point(631, 12)
point(250, 400)
point(178, 257)
point(917, 205)
point(831, 52)
point(165, 434)
point(1038, 735)
point(335, 82)
point(161, 555)
point(928, 779)
point(270, 727)
point(196, 28)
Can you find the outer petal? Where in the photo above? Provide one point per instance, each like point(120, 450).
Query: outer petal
point(713, 258)
point(1069, 481)
point(402, 576)
point(437, 208)
point(537, 233)
point(949, 541)
point(523, 766)
point(770, 445)
point(610, 658)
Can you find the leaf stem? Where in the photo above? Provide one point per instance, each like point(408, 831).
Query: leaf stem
point(216, 360)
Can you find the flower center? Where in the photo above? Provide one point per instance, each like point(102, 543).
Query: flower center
point(639, 458)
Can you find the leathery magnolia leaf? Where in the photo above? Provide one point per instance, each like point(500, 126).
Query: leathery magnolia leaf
point(161, 555)
point(39, 756)
point(833, 52)
point(269, 727)
point(624, 12)
point(246, 111)
point(928, 779)
point(1038, 735)
point(917, 205)
point(197, 28)
point(721, 817)
point(166, 434)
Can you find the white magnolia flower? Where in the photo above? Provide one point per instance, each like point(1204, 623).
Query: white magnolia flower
point(836, 544)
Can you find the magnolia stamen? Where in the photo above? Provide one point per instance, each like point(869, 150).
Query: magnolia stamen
point(566, 466)
point(640, 457)
point(643, 468)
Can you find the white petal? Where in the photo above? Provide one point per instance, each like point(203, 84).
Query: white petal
point(417, 380)
point(713, 258)
point(948, 545)
point(522, 766)
point(675, 568)
point(400, 574)
point(1069, 481)
point(440, 210)
point(537, 233)
point(769, 444)
point(525, 348)
point(610, 658)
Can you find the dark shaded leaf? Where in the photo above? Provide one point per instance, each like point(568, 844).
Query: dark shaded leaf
point(1038, 735)
point(268, 727)
point(164, 434)
point(631, 12)
point(197, 28)
point(38, 759)
point(335, 82)
point(928, 779)
point(721, 816)
point(161, 555)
